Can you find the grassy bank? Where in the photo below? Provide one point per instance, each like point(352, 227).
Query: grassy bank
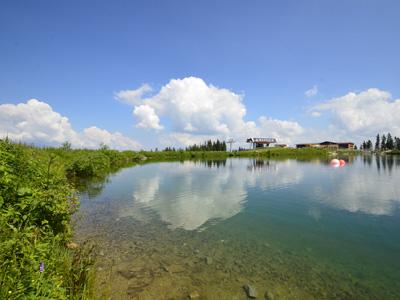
point(38, 197)
point(303, 153)
point(37, 200)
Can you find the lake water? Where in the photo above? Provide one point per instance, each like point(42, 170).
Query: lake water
point(203, 229)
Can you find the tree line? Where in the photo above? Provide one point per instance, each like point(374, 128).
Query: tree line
point(382, 143)
point(208, 146)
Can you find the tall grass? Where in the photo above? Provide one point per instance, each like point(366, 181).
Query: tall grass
point(37, 200)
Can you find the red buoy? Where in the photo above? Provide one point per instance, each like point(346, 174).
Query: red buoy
point(335, 163)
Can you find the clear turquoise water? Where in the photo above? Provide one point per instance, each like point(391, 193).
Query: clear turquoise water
point(294, 229)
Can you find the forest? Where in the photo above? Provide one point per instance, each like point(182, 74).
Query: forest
point(382, 143)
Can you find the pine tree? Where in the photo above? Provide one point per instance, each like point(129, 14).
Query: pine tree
point(364, 145)
point(210, 145)
point(389, 142)
point(377, 143)
point(383, 142)
point(369, 145)
point(397, 143)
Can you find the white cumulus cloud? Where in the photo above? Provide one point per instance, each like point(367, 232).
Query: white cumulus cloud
point(147, 117)
point(93, 136)
point(36, 122)
point(197, 111)
point(283, 131)
point(364, 114)
point(133, 96)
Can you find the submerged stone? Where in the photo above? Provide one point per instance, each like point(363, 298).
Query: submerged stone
point(174, 268)
point(268, 296)
point(250, 291)
point(127, 274)
point(194, 295)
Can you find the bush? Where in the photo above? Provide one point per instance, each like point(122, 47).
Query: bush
point(36, 205)
point(89, 164)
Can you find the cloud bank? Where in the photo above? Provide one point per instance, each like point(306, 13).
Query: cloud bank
point(36, 122)
point(188, 110)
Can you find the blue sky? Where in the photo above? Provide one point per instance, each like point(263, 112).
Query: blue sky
point(76, 55)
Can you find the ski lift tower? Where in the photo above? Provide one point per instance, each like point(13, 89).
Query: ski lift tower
point(230, 142)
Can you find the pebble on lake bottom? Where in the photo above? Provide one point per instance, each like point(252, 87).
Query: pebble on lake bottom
point(194, 295)
point(250, 291)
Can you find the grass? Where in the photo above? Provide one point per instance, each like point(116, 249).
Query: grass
point(262, 153)
point(37, 200)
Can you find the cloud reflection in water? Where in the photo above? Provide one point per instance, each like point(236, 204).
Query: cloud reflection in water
point(190, 194)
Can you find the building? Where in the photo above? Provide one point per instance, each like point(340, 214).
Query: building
point(260, 142)
point(329, 145)
point(281, 145)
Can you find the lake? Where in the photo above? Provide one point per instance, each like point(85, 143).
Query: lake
point(203, 229)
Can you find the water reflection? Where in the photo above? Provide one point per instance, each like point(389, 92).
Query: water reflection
point(260, 165)
point(359, 188)
point(189, 195)
point(195, 194)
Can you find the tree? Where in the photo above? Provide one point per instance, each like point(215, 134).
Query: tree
point(389, 142)
point(209, 145)
point(377, 143)
point(369, 145)
point(383, 142)
point(397, 143)
point(218, 146)
point(104, 147)
point(66, 145)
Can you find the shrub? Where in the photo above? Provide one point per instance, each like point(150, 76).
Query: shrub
point(36, 205)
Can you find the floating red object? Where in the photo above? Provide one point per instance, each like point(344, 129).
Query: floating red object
point(335, 162)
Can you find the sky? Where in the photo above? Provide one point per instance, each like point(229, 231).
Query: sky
point(147, 74)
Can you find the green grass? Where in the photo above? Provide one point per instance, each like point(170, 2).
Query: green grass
point(393, 152)
point(263, 152)
point(285, 153)
point(37, 200)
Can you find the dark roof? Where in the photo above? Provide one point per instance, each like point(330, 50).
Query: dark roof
point(327, 143)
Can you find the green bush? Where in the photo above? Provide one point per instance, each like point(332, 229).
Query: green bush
point(36, 204)
point(88, 165)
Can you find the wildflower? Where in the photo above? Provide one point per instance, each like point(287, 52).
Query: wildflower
point(41, 267)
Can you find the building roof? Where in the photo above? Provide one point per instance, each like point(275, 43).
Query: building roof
point(261, 140)
point(327, 143)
